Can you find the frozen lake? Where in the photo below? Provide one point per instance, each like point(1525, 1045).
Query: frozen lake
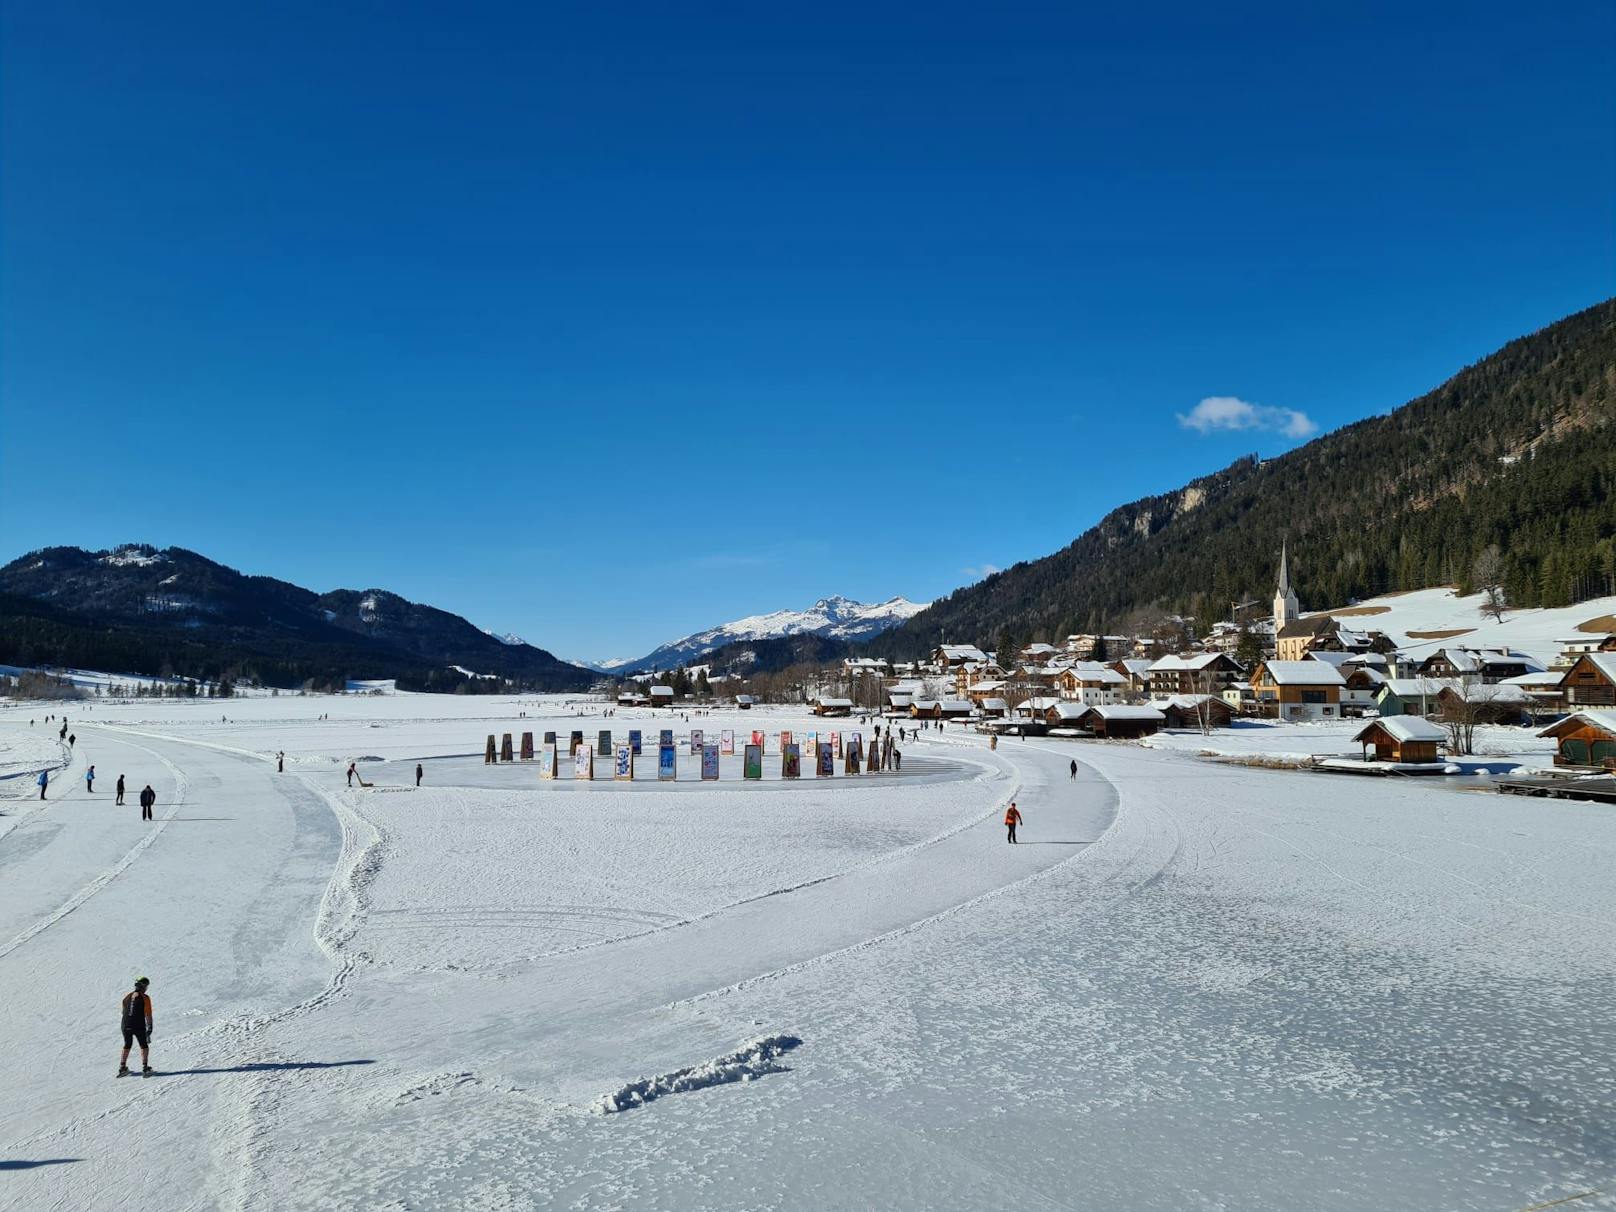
point(1196, 986)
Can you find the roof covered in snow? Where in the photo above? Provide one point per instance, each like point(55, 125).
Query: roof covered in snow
point(1404, 728)
point(1303, 673)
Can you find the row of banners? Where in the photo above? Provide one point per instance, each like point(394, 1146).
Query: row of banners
point(824, 754)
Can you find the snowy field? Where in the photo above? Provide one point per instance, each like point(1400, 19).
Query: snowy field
point(1498, 748)
point(1199, 986)
point(1425, 620)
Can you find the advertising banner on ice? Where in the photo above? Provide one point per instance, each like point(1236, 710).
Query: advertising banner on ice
point(754, 762)
point(634, 740)
point(791, 762)
point(827, 762)
point(605, 749)
point(549, 738)
point(665, 737)
point(547, 760)
point(667, 763)
point(785, 739)
point(811, 748)
point(577, 739)
point(726, 742)
point(757, 738)
point(836, 743)
point(623, 767)
point(583, 762)
point(709, 762)
point(695, 742)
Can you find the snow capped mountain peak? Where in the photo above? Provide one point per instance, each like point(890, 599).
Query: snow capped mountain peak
point(509, 638)
point(835, 616)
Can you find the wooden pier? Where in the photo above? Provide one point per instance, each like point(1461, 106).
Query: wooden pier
point(1600, 788)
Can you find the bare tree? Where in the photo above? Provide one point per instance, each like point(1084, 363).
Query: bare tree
point(1487, 573)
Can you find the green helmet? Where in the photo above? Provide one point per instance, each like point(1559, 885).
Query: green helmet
point(142, 980)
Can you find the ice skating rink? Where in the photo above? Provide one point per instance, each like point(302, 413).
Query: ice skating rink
point(1194, 986)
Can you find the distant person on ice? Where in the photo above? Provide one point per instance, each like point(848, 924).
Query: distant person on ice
point(89, 780)
point(280, 762)
point(418, 774)
point(120, 789)
point(148, 797)
point(351, 766)
point(44, 782)
point(1012, 818)
point(137, 1027)
point(1074, 768)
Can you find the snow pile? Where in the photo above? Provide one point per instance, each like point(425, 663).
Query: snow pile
point(754, 1060)
point(133, 557)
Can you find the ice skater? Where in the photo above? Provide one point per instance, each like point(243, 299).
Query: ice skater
point(148, 797)
point(1074, 769)
point(418, 773)
point(280, 762)
point(352, 770)
point(119, 790)
point(1012, 818)
point(136, 1022)
point(44, 781)
point(89, 780)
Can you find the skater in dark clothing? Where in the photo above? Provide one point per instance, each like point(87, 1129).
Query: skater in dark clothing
point(1074, 768)
point(351, 771)
point(89, 780)
point(62, 735)
point(136, 1021)
point(280, 762)
point(418, 773)
point(1012, 818)
point(897, 759)
point(44, 782)
point(148, 797)
point(120, 789)
point(72, 739)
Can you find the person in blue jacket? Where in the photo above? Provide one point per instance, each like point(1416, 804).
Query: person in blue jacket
point(44, 782)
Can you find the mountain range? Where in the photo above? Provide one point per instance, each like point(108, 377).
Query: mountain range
point(835, 618)
point(138, 609)
point(1516, 452)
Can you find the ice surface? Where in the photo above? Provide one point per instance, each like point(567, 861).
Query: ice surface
point(1195, 985)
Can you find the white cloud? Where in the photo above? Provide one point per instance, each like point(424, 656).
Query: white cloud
point(982, 573)
point(1231, 412)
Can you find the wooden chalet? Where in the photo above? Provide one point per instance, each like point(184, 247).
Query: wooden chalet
point(1591, 681)
point(1206, 672)
point(1585, 739)
point(1119, 721)
point(1499, 704)
point(833, 707)
point(1404, 739)
point(1187, 711)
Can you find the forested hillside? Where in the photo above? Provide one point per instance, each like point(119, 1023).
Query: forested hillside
point(1517, 451)
point(137, 609)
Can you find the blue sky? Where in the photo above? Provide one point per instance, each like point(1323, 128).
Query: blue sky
point(604, 323)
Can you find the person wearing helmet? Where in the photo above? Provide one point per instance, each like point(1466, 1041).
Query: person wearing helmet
point(137, 1026)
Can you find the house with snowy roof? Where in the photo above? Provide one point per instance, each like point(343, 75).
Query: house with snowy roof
point(1299, 690)
point(1485, 665)
point(1585, 738)
point(1591, 681)
point(1403, 739)
point(950, 656)
point(1090, 682)
point(1199, 673)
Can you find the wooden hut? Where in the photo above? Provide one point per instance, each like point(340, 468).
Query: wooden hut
point(1591, 680)
point(1121, 722)
point(1405, 739)
point(1187, 710)
point(1584, 738)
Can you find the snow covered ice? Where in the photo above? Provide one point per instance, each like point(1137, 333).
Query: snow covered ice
point(1194, 985)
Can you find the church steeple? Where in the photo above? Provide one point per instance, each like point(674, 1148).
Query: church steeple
point(1286, 608)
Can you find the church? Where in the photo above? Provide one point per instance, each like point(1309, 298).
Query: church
point(1296, 638)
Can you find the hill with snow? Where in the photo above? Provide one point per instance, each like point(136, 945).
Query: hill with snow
point(835, 618)
point(1424, 620)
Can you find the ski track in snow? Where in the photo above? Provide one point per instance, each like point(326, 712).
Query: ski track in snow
point(181, 785)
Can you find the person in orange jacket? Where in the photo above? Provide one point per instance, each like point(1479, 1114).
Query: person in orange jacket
point(1012, 818)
